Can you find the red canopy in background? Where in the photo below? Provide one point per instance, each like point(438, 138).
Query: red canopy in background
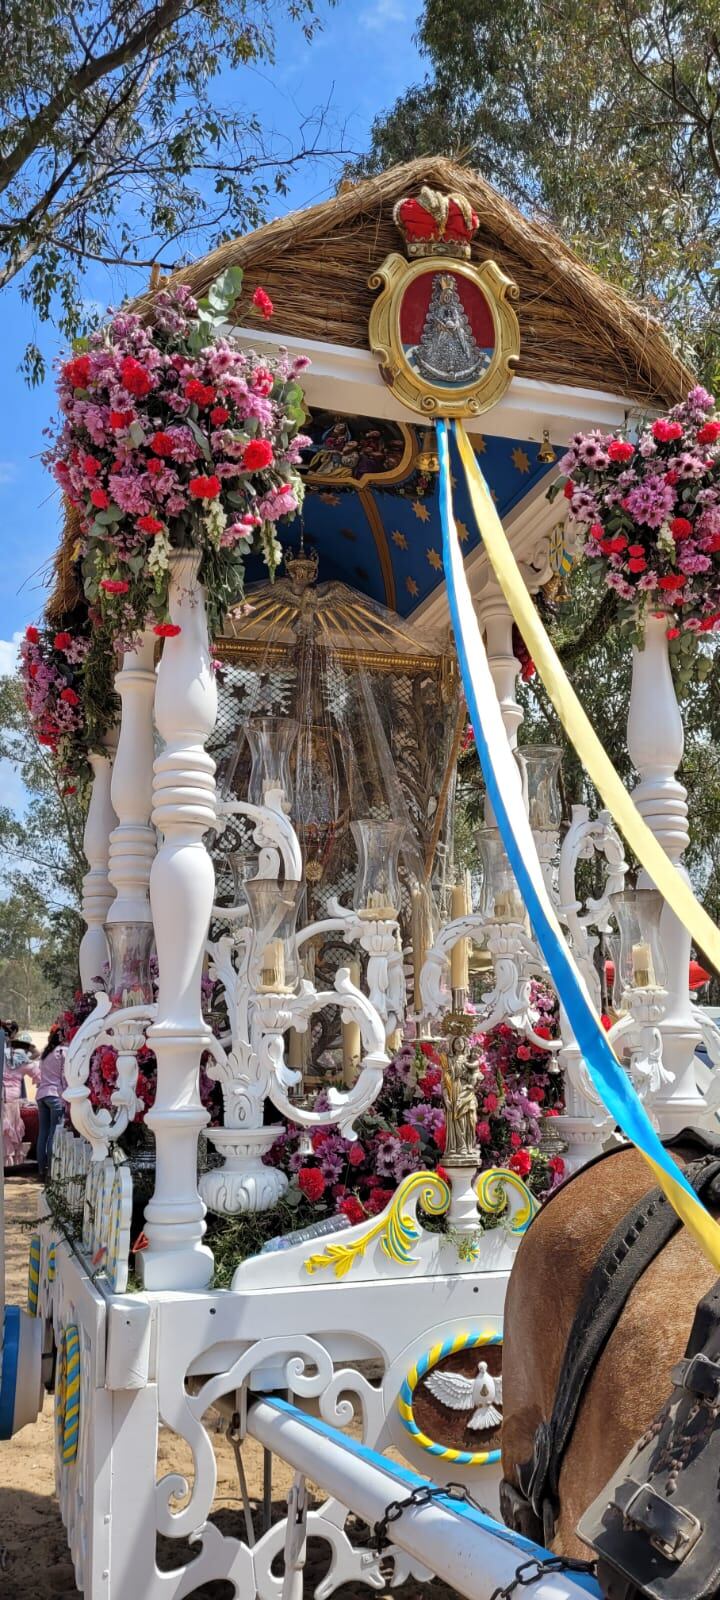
point(697, 976)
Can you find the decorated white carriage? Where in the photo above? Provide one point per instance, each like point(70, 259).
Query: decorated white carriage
point(277, 918)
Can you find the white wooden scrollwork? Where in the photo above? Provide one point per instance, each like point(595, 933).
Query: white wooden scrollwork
point(124, 1030)
point(516, 961)
point(272, 1015)
point(588, 836)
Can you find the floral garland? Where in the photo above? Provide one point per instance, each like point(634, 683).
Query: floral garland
point(171, 438)
point(67, 675)
point(648, 515)
point(519, 1085)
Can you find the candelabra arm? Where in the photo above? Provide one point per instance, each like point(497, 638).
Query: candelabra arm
point(434, 989)
point(124, 1031)
point(273, 1014)
point(639, 1033)
point(273, 831)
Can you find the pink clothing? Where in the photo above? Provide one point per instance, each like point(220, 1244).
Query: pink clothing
point(15, 1070)
point(52, 1074)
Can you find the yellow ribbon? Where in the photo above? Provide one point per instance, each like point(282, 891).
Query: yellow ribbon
point(579, 729)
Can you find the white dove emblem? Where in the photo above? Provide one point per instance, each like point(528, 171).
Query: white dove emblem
point(461, 1394)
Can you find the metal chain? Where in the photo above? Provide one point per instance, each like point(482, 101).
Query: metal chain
point(529, 1572)
point(421, 1496)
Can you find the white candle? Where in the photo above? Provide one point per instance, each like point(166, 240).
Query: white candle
point(351, 1037)
point(377, 908)
point(642, 965)
point(421, 935)
point(459, 966)
point(272, 967)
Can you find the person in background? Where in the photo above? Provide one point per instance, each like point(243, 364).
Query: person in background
point(50, 1104)
point(16, 1069)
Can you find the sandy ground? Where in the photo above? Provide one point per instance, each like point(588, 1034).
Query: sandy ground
point(34, 1560)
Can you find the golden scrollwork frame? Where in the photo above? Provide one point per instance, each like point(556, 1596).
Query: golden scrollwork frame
point(437, 400)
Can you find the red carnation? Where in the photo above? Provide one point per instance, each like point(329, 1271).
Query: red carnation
point(352, 1209)
point(167, 630)
point(70, 697)
point(91, 466)
point(62, 641)
point(491, 1103)
point(379, 1199)
point(676, 580)
point(673, 633)
point(257, 454)
point(520, 1163)
point(162, 443)
point(665, 431)
point(672, 478)
point(713, 544)
point(77, 372)
point(114, 585)
point(312, 1183)
point(150, 524)
point(569, 489)
point(708, 433)
point(263, 303)
point(680, 528)
point(620, 450)
point(205, 488)
point(637, 564)
point(219, 415)
point(410, 1134)
point(614, 546)
point(120, 419)
point(356, 1155)
point(636, 550)
point(202, 393)
point(135, 377)
point(557, 1165)
point(440, 1172)
point(32, 635)
point(155, 467)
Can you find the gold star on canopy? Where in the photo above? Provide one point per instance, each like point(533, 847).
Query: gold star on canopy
point(399, 539)
point(329, 499)
point(421, 511)
point(435, 559)
point(463, 532)
point(520, 460)
point(412, 587)
point(478, 444)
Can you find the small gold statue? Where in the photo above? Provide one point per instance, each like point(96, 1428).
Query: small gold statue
point(460, 1076)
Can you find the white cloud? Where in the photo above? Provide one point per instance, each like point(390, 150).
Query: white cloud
point(8, 473)
point(9, 654)
point(382, 14)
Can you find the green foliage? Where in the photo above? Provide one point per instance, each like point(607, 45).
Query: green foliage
point(600, 114)
point(42, 866)
point(114, 147)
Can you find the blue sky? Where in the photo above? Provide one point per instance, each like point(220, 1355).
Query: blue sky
point(361, 61)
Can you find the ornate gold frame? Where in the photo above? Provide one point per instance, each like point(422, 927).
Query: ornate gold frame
point(394, 277)
point(379, 479)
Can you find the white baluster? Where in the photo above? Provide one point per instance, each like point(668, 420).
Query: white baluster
point(132, 842)
point(182, 884)
point(97, 888)
point(655, 742)
point(497, 625)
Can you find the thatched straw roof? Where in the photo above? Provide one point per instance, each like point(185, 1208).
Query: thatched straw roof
point(575, 328)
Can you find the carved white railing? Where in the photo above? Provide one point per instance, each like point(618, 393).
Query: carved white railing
point(97, 890)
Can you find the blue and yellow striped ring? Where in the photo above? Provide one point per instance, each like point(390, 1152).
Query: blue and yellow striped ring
point(438, 1352)
point(34, 1274)
point(51, 1264)
point(67, 1397)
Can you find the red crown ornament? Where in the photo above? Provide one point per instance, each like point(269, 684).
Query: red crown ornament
point(434, 224)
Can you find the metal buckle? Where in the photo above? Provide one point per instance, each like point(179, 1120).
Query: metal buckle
point(672, 1530)
point(701, 1378)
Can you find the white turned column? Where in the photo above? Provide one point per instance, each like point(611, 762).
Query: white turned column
point(655, 743)
point(133, 842)
point(182, 886)
point(98, 891)
point(496, 622)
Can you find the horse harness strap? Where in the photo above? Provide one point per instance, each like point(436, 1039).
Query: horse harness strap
point(639, 1237)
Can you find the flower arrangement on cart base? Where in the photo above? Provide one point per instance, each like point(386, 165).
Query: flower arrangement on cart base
point(647, 516)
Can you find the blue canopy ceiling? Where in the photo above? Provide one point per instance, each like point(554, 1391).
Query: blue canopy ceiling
point(384, 538)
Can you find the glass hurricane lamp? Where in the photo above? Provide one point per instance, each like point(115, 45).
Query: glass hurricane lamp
point(377, 881)
point(271, 741)
point(274, 960)
point(539, 767)
point(132, 945)
point(500, 898)
point(641, 961)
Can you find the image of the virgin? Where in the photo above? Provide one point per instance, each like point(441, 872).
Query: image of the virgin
point(446, 329)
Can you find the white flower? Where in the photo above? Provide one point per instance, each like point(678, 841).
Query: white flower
point(159, 554)
point(214, 521)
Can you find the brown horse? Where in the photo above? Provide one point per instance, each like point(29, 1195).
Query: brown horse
point(631, 1377)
